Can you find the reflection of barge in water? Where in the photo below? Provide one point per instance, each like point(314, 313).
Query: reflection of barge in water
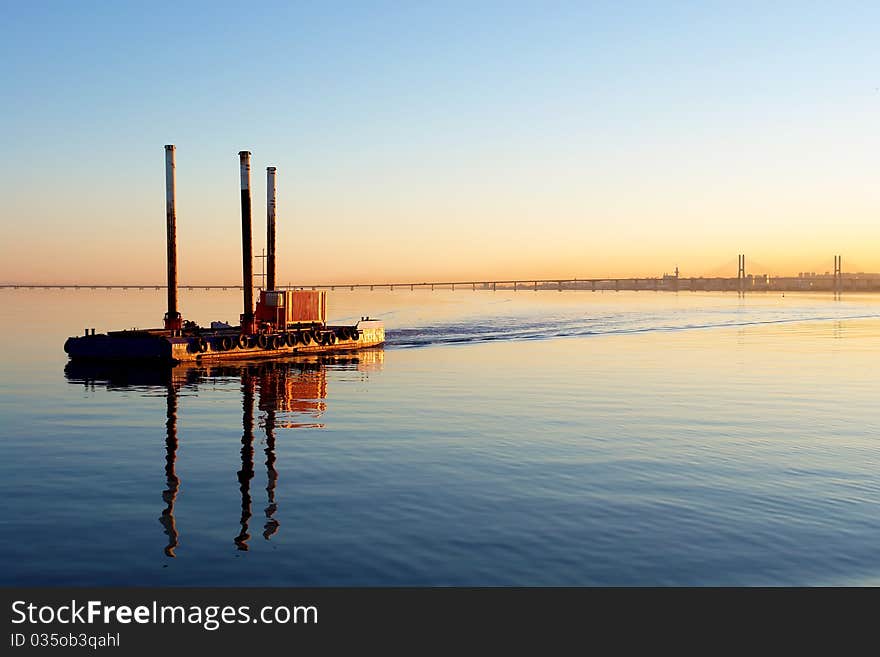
point(288, 393)
point(159, 375)
point(286, 322)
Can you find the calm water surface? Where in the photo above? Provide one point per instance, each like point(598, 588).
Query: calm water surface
point(499, 438)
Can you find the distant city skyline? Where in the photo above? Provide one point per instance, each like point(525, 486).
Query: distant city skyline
point(447, 142)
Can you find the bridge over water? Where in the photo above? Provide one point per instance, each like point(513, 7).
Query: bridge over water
point(836, 281)
point(845, 282)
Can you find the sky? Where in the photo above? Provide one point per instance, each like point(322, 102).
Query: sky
point(441, 141)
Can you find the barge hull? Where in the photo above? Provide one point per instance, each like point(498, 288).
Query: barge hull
point(207, 346)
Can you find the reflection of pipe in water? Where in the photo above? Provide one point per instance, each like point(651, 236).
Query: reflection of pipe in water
point(269, 377)
point(272, 524)
point(172, 482)
point(247, 458)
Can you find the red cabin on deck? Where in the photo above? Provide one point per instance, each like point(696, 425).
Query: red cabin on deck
point(289, 308)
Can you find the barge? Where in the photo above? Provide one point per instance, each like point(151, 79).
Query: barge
point(284, 323)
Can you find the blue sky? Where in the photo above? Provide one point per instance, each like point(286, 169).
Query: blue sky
point(541, 139)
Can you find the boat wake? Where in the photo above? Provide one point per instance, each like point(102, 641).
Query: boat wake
point(532, 328)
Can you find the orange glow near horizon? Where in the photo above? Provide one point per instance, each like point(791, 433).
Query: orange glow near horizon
point(547, 220)
point(329, 245)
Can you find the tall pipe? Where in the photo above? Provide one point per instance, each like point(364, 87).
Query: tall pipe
point(270, 228)
point(247, 260)
point(172, 318)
